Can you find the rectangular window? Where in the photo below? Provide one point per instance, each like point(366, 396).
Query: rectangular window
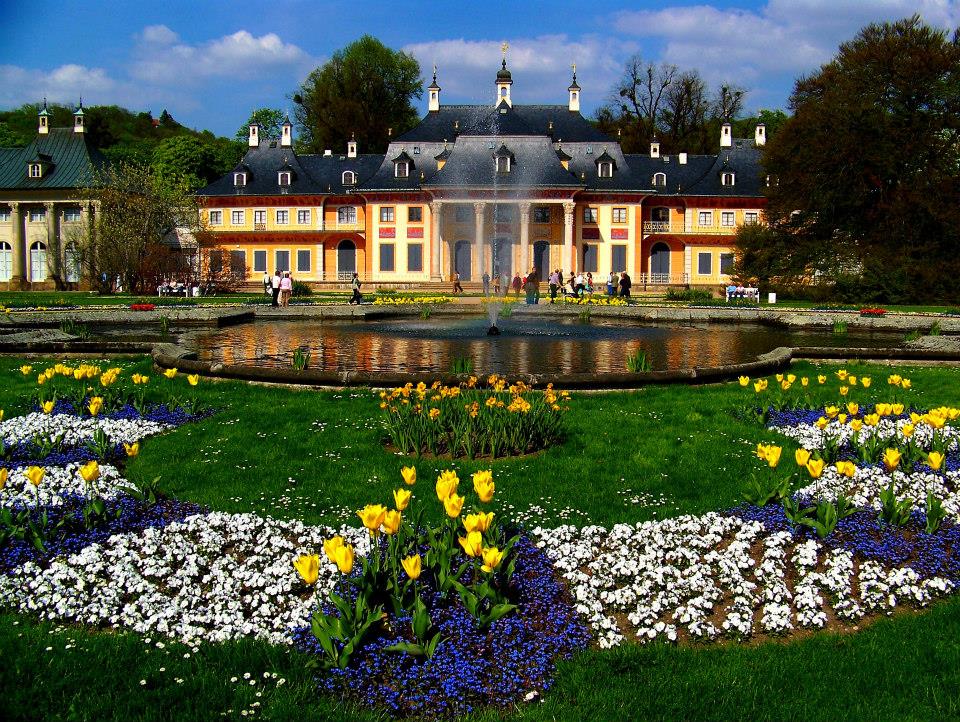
point(386, 214)
point(415, 257)
point(283, 218)
point(238, 263)
point(303, 217)
point(35, 171)
point(751, 217)
point(589, 215)
point(618, 258)
point(260, 261)
point(728, 219)
point(386, 257)
point(706, 218)
point(282, 260)
point(260, 217)
point(347, 215)
point(704, 264)
point(303, 261)
point(38, 216)
point(4, 216)
point(726, 263)
point(216, 218)
point(590, 257)
point(71, 215)
point(463, 214)
point(541, 214)
point(619, 215)
point(236, 218)
point(415, 214)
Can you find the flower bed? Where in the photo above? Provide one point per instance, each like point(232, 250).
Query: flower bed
point(597, 300)
point(472, 421)
point(142, 306)
point(409, 300)
point(873, 311)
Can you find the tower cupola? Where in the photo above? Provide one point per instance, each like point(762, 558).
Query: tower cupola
point(78, 126)
point(433, 96)
point(504, 80)
point(253, 139)
point(574, 91)
point(286, 133)
point(43, 119)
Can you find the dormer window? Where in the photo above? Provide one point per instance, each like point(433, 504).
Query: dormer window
point(283, 177)
point(35, 170)
point(349, 178)
point(660, 179)
point(402, 169)
point(239, 180)
point(503, 164)
point(605, 169)
point(727, 179)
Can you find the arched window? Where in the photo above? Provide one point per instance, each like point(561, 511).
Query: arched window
point(36, 170)
point(660, 179)
point(402, 169)
point(346, 260)
point(71, 257)
point(283, 178)
point(38, 261)
point(503, 164)
point(349, 177)
point(6, 261)
point(727, 179)
point(605, 170)
point(239, 179)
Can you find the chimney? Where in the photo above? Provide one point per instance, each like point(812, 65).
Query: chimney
point(682, 158)
point(253, 140)
point(760, 137)
point(78, 118)
point(328, 152)
point(654, 148)
point(726, 135)
point(43, 119)
point(286, 134)
point(352, 147)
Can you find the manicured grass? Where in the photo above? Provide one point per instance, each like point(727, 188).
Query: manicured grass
point(317, 456)
point(32, 299)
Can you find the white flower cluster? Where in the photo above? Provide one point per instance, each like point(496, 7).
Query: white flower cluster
point(887, 430)
point(212, 577)
point(76, 431)
point(710, 576)
point(57, 481)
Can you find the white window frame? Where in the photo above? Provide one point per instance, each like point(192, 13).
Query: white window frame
point(349, 178)
point(5, 215)
point(6, 261)
point(705, 219)
point(503, 163)
point(660, 179)
point(303, 216)
point(728, 219)
point(619, 215)
point(239, 180)
point(215, 218)
point(388, 210)
point(751, 217)
point(282, 217)
point(728, 179)
point(36, 170)
point(38, 216)
point(234, 215)
point(284, 177)
point(590, 215)
point(401, 165)
point(71, 215)
point(260, 216)
point(605, 169)
point(349, 215)
point(38, 261)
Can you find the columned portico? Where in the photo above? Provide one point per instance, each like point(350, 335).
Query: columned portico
point(525, 237)
point(18, 277)
point(479, 209)
point(436, 242)
point(53, 241)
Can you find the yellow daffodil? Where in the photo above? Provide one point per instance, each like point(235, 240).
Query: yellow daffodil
point(491, 559)
point(401, 497)
point(90, 471)
point(478, 522)
point(412, 566)
point(815, 468)
point(853, 408)
point(821, 423)
point(483, 485)
point(856, 424)
point(844, 390)
point(447, 484)
point(744, 380)
point(330, 547)
point(3, 477)
point(934, 460)
point(308, 565)
point(193, 379)
point(452, 505)
point(907, 430)
point(472, 543)
point(801, 456)
point(35, 474)
point(170, 373)
point(25, 370)
point(865, 382)
point(372, 516)
point(391, 522)
point(821, 379)
point(95, 405)
point(344, 559)
point(891, 459)
point(434, 414)
point(409, 474)
point(48, 406)
point(132, 449)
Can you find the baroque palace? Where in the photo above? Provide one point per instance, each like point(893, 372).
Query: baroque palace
point(499, 189)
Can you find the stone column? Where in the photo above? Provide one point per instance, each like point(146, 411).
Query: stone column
point(525, 239)
point(18, 277)
point(54, 250)
point(436, 240)
point(477, 260)
point(569, 262)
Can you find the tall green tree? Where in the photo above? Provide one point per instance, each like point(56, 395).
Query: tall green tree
point(868, 167)
point(363, 90)
point(269, 119)
point(184, 161)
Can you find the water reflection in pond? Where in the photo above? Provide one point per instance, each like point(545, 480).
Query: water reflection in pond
point(526, 345)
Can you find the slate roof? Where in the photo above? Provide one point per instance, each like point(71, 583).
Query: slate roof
point(70, 158)
point(312, 174)
point(534, 164)
point(701, 174)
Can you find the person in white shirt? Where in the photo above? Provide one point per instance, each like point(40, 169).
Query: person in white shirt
point(277, 278)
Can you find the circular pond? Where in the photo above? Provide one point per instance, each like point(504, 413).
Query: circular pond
point(526, 345)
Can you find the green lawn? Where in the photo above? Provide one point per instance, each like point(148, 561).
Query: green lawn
point(317, 456)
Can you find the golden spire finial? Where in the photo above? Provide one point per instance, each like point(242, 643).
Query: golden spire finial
point(503, 48)
point(574, 66)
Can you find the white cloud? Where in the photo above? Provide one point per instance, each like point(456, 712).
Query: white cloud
point(64, 84)
point(159, 34)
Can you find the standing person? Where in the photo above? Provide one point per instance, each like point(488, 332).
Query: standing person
point(611, 284)
point(554, 285)
point(563, 285)
point(275, 285)
point(457, 288)
point(286, 288)
point(589, 284)
point(486, 283)
point(496, 285)
point(517, 284)
point(267, 289)
point(355, 287)
point(625, 284)
point(578, 285)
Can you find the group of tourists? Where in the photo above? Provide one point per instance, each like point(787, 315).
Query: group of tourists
point(278, 287)
point(581, 285)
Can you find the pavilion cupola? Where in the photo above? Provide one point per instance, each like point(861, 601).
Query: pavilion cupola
point(654, 148)
point(352, 146)
point(433, 91)
point(504, 81)
point(286, 133)
point(726, 135)
point(78, 126)
point(574, 91)
point(43, 119)
point(760, 135)
point(253, 139)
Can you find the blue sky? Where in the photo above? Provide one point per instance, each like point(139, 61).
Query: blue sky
point(211, 63)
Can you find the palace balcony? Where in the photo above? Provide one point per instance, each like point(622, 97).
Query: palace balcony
point(651, 227)
point(338, 226)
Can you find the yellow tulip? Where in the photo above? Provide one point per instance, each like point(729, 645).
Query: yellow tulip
point(35, 474)
point(871, 419)
point(132, 449)
point(842, 374)
point(478, 522)
point(401, 497)
point(905, 384)
point(330, 547)
point(409, 474)
point(773, 456)
point(852, 380)
point(831, 411)
point(170, 373)
point(853, 408)
point(821, 379)
point(785, 385)
point(897, 409)
point(933, 420)
point(779, 378)
point(472, 543)
point(844, 390)
point(483, 485)
point(804, 382)
point(90, 471)
point(856, 424)
point(412, 566)
point(372, 516)
point(48, 406)
point(391, 522)
point(907, 430)
point(744, 380)
point(308, 565)
point(193, 379)
point(865, 382)
point(846, 468)
point(934, 461)
point(345, 559)
point(802, 456)
point(760, 385)
point(842, 418)
point(894, 379)
point(891, 459)
point(791, 377)
point(491, 559)
point(882, 409)
point(447, 484)
point(452, 505)
point(3, 477)
point(815, 467)
point(821, 423)
point(96, 403)
point(25, 370)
